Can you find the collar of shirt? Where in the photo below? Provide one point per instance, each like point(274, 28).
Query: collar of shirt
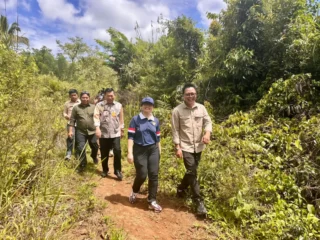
point(143, 117)
point(194, 106)
point(84, 106)
point(78, 101)
point(106, 103)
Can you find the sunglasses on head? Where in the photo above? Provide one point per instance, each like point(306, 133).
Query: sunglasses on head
point(84, 92)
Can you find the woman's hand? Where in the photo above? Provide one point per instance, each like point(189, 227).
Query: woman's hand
point(130, 158)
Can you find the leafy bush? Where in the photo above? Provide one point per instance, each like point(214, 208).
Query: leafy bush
point(37, 200)
point(260, 172)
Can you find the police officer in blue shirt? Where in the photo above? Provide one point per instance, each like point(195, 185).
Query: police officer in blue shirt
point(144, 151)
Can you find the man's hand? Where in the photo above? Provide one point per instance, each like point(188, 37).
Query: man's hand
point(130, 158)
point(70, 134)
point(98, 132)
point(206, 138)
point(122, 133)
point(179, 153)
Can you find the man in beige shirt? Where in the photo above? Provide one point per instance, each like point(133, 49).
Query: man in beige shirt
point(68, 106)
point(109, 123)
point(191, 130)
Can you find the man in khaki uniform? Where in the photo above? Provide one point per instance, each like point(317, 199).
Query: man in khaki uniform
point(109, 122)
point(191, 130)
point(68, 106)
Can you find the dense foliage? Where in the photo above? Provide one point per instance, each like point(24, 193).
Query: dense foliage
point(39, 197)
point(257, 69)
point(260, 174)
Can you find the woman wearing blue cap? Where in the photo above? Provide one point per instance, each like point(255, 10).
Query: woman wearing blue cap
point(144, 152)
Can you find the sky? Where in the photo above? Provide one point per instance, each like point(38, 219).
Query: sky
point(45, 21)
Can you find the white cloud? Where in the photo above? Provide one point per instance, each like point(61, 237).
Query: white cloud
point(58, 9)
point(25, 5)
point(10, 5)
point(90, 21)
point(7, 5)
point(59, 19)
point(38, 37)
point(96, 16)
point(212, 6)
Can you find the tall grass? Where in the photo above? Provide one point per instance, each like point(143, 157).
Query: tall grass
point(40, 197)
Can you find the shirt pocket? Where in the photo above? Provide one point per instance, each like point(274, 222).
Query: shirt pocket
point(81, 115)
point(185, 121)
point(198, 118)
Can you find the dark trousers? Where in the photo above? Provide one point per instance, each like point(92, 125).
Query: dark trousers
point(146, 162)
point(81, 140)
point(70, 141)
point(191, 162)
point(106, 144)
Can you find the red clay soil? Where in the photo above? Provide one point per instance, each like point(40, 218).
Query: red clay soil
point(137, 221)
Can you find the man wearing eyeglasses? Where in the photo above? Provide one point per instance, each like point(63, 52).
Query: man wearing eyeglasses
point(68, 106)
point(82, 115)
point(109, 123)
point(191, 130)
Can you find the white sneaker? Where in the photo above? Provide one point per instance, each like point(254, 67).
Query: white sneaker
point(133, 197)
point(155, 206)
point(111, 153)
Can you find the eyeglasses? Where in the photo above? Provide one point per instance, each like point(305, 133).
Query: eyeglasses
point(190, 94)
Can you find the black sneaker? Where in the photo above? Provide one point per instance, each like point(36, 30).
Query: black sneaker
point(119, 175)
point(201, 209)
point(104, 174)
point(181, 193)
point(80, 169)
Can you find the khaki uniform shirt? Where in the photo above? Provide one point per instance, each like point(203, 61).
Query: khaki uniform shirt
point(82, 115)
point(107, 116)
point(68, 108)
point(188, 125)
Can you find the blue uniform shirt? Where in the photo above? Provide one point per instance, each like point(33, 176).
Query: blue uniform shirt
point(144, 131)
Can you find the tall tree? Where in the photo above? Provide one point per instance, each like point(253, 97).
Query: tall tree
point(45, 60)
point(250, 51)
point(74, 49)
point(9, 34)
point(62, 67)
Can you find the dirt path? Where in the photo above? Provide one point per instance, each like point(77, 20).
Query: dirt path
point(174, 222)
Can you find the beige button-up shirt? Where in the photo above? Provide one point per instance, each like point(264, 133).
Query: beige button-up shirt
point(68, 108)
point(188, 125)
point(108, 118)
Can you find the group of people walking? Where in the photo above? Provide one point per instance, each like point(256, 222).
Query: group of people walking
point(101, 124)
point(191, 130)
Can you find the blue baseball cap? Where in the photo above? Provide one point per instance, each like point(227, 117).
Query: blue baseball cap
point(147, 100)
